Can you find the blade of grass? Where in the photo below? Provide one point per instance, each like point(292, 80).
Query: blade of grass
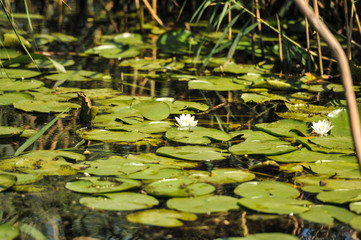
point(31, 140)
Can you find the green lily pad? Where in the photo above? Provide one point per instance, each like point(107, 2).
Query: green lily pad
point(43, 106)
point(343, 167)
point(153, 158)
point(144, 127)
point(342, 184)
point(266, 189)
point(111, 136)
point(275, 205)
point(285, 128)
point(325, 214)
point(156, 171)
point(117, 51)
point(10, 98)
point(197, 135)
point(115, 166)
point(182, 187)
point(218, 84)
point(203, 204)
point(24, 178)
point(21, 85)
point(123, 201)
point(260, 143)
point(340, 142)
point(263, 236)
point(178, 107)
point(8, 232)
point(161, 217)
point(244, 68)
point(339, 119)
point(6, 132)
point(77, 75)
point(194, 153)
point(305, 155)
point(177, 41)
point(152, 110)
point(152, 64)
point(129, 38)
point(223, 176)
point(101, 185)
point(16, 73)
point(280, 85)
point(6, 181)
point(340, 196)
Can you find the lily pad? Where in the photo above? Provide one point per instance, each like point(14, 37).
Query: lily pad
point(305, 155)
point(197, 135)
point(114, 166)
point(152, 110)
point(77, 75)
point(114, 51)
point(325, 214)
point(8, 232)
point(144, 127)
point(356, 223)
point(263, 236)
point(6, 181)
point(129, 38)
point(340, 196)
point(6, 132)
point(341, 142)
point(16, 73)
point(10, 98)
point(194, 153)
point(356, 207)
point(276, 205)
point(43, 106)
point(266, 189)
point(111, 136)
point(123, 201)
point(21, 85)
point(182, 187)
point(285, 128)
point(153, 158)
point(223, 176)
point(218, 84)
point(203, 204)
point(177, 41)
point(161, 217)
point(152, 64)
point(101, 185)
point(157, 171)
point(260, 143)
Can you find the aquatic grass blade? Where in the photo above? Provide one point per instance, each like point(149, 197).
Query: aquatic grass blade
point(38, 134)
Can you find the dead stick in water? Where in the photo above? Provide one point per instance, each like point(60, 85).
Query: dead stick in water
point(341, 58)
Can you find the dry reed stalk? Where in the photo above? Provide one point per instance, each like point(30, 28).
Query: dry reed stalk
point(279, 39)
point(258, 14)
point(356, 17)
point(319, 49)
point(349, 33)
point(154, 14)
point(60, 22)
point(307, 27)
point(229, 21)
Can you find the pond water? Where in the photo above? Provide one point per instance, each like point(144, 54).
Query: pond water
point(251, 165)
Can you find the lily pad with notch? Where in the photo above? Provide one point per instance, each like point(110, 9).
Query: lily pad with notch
point(325, 214)
point(266, 189)
point(193, 153)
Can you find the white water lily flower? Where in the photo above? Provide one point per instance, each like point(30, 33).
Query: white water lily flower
point(322, 127)
point(185, 122)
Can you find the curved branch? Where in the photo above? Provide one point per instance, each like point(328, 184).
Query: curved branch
point(340, 56)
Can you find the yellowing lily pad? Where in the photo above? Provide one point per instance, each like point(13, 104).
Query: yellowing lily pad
point(197, 135)
point(8, 232)
point(194, 153)
point(111, 136)
point(161, 217)
point(182, 187)
point(203, 204)
point(6, 181)
point(123, 201)
point(101, 185)
point(275, 205)
point(6, 132)
point(266, 189)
